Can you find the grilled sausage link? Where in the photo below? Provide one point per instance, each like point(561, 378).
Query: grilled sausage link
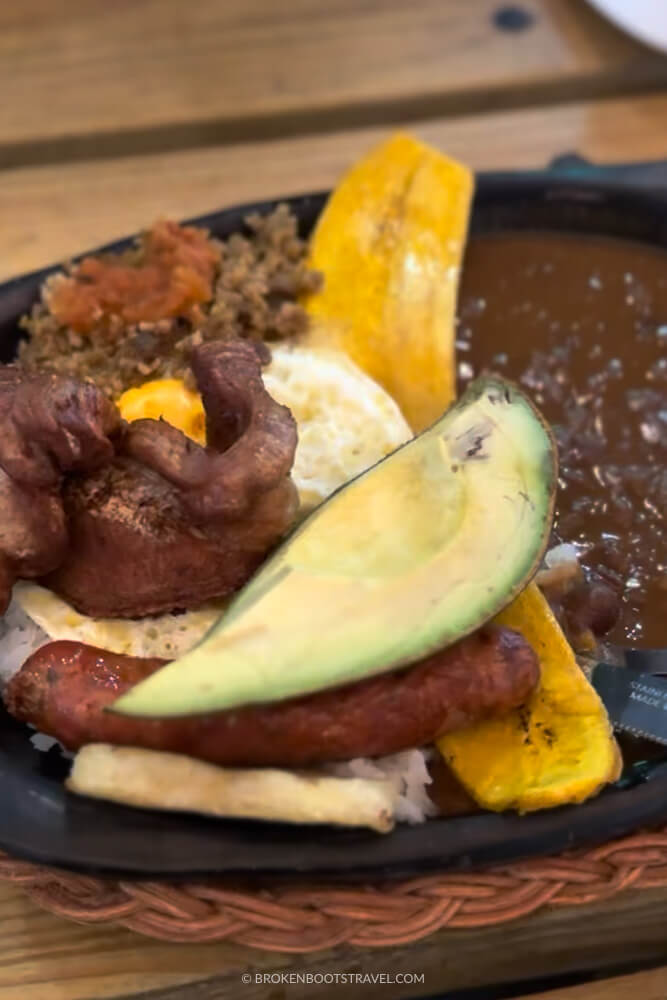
point(64, 688)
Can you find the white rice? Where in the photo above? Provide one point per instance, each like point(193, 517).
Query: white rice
point(19, 637)
point(407, 769)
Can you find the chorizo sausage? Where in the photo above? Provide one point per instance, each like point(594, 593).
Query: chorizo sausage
point(64, 688)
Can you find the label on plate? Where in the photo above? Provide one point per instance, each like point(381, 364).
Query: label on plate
point(636, 702)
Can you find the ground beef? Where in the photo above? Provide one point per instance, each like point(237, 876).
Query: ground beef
point(122, 319)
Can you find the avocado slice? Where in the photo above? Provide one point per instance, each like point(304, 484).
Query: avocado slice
point(411, 556)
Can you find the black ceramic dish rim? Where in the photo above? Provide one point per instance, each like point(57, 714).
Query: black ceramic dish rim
point(554, 185)
point(596, 821)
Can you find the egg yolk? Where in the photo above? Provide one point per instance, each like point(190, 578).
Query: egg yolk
point(169, 399)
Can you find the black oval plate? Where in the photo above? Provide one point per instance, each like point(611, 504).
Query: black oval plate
point(40, 821)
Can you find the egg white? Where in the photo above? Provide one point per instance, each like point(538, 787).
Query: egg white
point(166, 636)
point(346, 421)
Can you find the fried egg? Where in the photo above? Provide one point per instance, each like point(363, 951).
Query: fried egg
point(166, 636)
point(169, 399)
point(346, 421)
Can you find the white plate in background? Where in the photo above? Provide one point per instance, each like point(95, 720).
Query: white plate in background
point(645, 19)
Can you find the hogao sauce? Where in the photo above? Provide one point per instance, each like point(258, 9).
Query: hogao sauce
point(581, 323)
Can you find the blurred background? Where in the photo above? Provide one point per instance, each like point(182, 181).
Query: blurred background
point(113, 113)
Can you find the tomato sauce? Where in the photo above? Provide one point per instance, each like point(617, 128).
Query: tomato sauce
point(172, 275)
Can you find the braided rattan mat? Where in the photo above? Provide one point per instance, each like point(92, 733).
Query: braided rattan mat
point(304, 917)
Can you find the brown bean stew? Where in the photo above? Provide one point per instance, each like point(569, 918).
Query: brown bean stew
point(581, 322)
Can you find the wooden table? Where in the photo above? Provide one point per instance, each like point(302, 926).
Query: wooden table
point(115, 113)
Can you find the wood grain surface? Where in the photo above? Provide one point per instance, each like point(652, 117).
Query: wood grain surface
point(649, 985)
point(45, 958)
point(94, 78)
point(51, 212)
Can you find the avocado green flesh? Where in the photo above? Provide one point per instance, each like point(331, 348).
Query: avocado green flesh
point(417, 552)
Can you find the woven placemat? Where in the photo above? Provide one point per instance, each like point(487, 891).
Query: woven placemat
point(306, 917)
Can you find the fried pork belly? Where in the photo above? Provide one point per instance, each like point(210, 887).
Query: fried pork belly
point(127, 520)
